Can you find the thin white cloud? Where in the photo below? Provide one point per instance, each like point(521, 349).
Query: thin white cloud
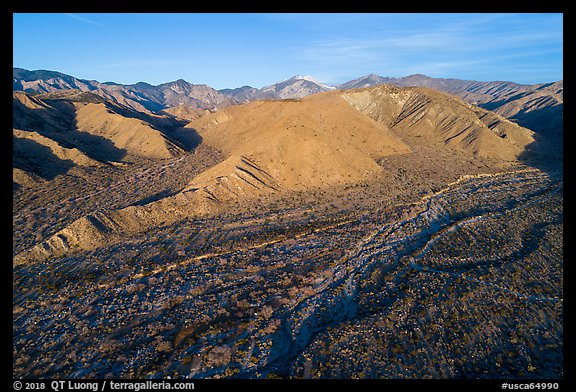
point(465, 45)
point(438, 42)
point(83, 19)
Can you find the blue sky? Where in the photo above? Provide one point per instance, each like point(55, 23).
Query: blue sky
point(232, 50)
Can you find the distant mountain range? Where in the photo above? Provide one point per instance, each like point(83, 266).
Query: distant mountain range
point(140, 96)
point(538, 107)
point(146, 97)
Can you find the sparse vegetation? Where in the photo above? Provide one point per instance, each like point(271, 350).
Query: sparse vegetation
point(437, 264)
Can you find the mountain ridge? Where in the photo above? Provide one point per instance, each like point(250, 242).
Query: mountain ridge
point(334, 139)
point(376, 232)
point(78, 128)
point(538, 107)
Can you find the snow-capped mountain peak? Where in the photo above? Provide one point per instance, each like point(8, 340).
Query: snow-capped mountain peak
point(311, 79)
point(297, 87)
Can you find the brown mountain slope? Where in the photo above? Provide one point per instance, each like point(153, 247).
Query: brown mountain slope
point(98, 128)
point(74, 155)
point(187, 113)
point(24, 178)
point(311, 143)
point(320, 142)
point(28, 101)
point(422, 115)
point(539, 108)
point(130, 134)
point(35, 157)
point(271, 147)
point(32, 113)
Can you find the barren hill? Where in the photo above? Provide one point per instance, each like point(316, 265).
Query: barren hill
point(35, 155)
point(422, 115)
point(99, 128)
point(186, 113)
point(538, 107)
point(271, 146)
point(31, 113)
point(316, 142)
point(129, 134)
point(319, 142)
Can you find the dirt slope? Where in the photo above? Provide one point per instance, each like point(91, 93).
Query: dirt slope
point(100, 129)
point(74, 155)
point(130, 134)
point(319, 142)
point(316, 142)
point(422, 115)
point(271, 147)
